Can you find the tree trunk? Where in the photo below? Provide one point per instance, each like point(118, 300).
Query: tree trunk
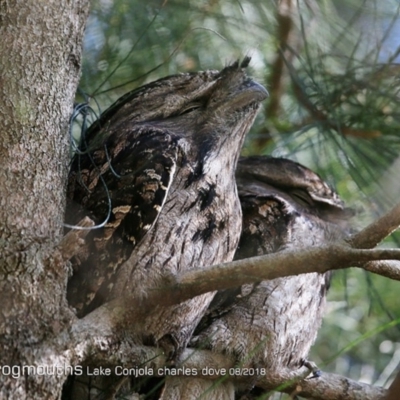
point(40, 55)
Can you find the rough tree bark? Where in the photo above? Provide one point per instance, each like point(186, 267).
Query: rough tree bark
point(40, 57)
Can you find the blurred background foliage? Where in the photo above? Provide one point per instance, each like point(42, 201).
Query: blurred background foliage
point(331, 68)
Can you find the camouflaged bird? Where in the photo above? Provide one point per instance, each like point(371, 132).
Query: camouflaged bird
point(270, 324)
point(159, 167)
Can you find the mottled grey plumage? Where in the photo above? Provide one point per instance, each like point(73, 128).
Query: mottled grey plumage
point(271, 324)
point(164, 156)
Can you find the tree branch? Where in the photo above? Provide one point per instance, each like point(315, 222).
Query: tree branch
point(377, 231)
point(332, 386)
point(321, 115)
point(388, 268)
point(275, 84)
point(124, 310)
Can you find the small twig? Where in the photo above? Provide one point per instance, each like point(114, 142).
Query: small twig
point(74, 239)
point(378, 230)
point(373, 234)
point(388, 268)
point(332, 386)
point(321, 116)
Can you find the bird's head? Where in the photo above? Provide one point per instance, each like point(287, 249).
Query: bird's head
point(198, 97)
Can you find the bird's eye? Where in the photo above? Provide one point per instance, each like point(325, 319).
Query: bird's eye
point(302, 197)
point(189, 108)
